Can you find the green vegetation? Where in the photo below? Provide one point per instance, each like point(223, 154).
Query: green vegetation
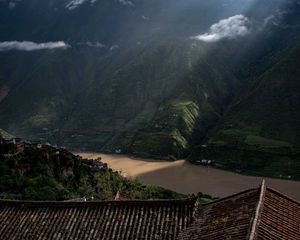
point(153, 91)
point(204, 199)
point(4, 134)
point(43, 175)
point(278, 162)
point(168, 134)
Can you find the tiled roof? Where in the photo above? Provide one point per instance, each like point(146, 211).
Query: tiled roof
point(95, 220)
point(228, 218)
point(261, 213)
point(256, 214)
point(280, 217)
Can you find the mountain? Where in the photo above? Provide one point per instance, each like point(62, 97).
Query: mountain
point(156, 78)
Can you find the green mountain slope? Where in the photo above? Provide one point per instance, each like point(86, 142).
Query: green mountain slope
point(133, 78)
point(259, 131)
point(270, 107)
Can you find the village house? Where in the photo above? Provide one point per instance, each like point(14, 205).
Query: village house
point(118, 151)
point(7, 140)
point(39, 146)
point(14, 145)
point(205, 162)
point(259, 213)
point(19, 143)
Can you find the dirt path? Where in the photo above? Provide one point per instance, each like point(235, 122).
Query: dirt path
point(184, 177)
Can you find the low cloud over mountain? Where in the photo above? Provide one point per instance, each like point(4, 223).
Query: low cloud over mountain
point(229, 28)
point(76, 3)
point(92, 44)
point(31, 46)
point(126, 2)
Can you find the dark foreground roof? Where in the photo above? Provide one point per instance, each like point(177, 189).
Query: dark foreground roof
point(230, 217)
point(261, 213)
point(254, 214)
point(95, 220)
point(279, 218)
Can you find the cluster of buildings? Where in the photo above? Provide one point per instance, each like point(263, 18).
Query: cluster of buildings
point(12, 146)
point(97, 165)
point(18, 144)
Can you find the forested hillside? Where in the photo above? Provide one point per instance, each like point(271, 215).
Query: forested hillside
point(32, 171)
point(156, 78)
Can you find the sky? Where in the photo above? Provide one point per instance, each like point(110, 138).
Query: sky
point(230, 20)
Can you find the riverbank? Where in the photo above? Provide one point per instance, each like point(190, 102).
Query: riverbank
point(186, 178)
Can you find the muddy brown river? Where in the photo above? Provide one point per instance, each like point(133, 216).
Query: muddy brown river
point(183, 177)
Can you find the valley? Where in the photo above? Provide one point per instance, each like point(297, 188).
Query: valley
point(183, 177)
point(149, 119)
point(156, 79)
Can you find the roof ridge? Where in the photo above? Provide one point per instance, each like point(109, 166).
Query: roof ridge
point(96, 203)
point(228, 197)
point(283, 195)
point(259, 207)
point(112, 220)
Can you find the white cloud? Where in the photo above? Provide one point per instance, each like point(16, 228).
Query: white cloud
point(229, 28)
point(76, 3)
point(31, 46)
point(127, 2)
point(92, 44)
point(268, 19)
point(11, 5)
point(276, 19)
point(114, 47)
point(145, 18)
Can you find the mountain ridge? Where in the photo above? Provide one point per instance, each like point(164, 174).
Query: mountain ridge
point(142, 82)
